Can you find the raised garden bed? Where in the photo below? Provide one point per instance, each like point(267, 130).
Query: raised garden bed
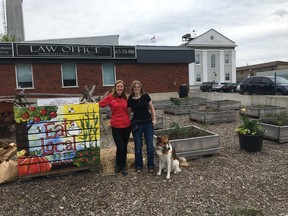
point(276, 127)
point(261, 111)
point(159, 122)
point(274, 132)
point(179, 109)
point(224, 104)
point(160, 104)
point(212, 116)
point(189, 101)
point(191, 141)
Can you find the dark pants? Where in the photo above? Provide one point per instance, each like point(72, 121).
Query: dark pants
point(121, 138)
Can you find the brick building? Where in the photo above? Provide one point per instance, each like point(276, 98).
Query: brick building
point(67, 68)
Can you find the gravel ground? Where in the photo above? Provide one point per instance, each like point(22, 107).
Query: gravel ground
point(233, 182)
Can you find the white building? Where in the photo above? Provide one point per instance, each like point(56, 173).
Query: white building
point(215, 58)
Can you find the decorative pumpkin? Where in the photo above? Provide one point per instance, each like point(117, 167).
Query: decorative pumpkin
point(32, 165)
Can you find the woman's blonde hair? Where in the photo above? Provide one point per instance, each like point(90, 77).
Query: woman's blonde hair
point(131, 93)
point(124, 95)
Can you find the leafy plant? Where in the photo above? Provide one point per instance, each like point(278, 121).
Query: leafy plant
point(6, 38)
point(176, 101)
point(279, 119)
point(249, 127)
point(177, 132)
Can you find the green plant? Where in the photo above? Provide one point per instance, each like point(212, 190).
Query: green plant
point(279, 119)
point(176, 101)
point(6, 38)
point(249, 127)
point(178, 132)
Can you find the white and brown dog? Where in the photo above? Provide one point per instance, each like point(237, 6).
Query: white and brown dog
point(168, 160)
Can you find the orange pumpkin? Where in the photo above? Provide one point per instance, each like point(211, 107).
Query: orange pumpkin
point(32, 165)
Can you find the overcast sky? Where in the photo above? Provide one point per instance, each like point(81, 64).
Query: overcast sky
point(258, 27)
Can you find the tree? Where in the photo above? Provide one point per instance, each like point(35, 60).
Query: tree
point(6, 38)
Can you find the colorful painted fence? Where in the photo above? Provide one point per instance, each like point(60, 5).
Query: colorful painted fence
point(57, 139)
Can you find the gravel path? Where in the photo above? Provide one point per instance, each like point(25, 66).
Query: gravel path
point(233, 182)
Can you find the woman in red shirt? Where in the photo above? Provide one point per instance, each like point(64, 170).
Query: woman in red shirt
point(120, 123)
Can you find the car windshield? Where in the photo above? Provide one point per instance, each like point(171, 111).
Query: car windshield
point(279, 80)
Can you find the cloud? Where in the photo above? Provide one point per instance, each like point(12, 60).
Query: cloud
point(281, 12)
point(258, 27)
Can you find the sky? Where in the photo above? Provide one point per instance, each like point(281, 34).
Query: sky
point(259, 28)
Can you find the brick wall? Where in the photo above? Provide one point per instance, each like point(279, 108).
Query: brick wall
point(155, 78)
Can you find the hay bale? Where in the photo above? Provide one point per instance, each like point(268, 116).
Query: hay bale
point(108, 160)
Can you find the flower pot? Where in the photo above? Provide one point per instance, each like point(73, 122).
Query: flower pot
point(250, 143)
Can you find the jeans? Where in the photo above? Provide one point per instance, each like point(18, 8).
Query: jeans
point(121, 138)
point(148, 131)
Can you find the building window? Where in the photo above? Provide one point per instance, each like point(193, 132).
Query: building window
point(108, 74)
point(197, 59)
point(69, 75)
point(213, 61)
point(227, 76)
point(227, 59)
point(198, 78)
point(24, 76)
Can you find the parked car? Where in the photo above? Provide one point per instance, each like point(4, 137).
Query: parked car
point(206, 86)
point(238, 88)
point(264, 85)
point(231, 87)
point(220, 86)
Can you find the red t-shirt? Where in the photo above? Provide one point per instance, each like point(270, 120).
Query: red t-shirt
point(119, 111)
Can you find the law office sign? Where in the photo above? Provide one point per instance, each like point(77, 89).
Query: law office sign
point(56, 50)
point(6, 50)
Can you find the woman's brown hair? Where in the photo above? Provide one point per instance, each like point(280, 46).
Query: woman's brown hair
point(131, 93)
point(124, 95)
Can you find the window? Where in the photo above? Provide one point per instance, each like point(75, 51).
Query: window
point(227, 59)
point(227, 76)
point(197, 59)
point(69, 75)
point(24, 76)
point(108, 74)
point(213, 61)
point(198, 77)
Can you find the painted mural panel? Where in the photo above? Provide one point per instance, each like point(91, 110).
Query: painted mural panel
point(56, 137)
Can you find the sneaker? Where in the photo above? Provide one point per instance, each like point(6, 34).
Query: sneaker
point(124, 172)
point(138, 170)
point(151, 169)
point(117, 169)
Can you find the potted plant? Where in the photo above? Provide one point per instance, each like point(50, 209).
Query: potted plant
point(250, 134)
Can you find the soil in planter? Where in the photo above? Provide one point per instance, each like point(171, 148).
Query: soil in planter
point(182, 133)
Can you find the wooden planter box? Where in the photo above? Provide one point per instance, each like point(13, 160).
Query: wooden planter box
point(194, 146)
point(191, 101)
point(159, 124)
point(179, 110)
point(225, 104)
point(160, 104)
point(212, 116)
point(274, 132)
point(261, 111)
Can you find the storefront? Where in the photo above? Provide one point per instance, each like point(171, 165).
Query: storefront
point(67, 68)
